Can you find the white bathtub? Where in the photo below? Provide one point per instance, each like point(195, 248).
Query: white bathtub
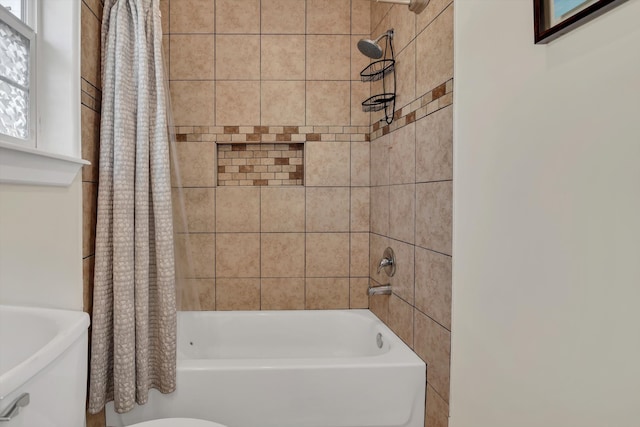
point(290, 369)
point(43, 352)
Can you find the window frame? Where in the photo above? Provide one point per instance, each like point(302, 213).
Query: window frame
point(29, 33)
point(56, 160)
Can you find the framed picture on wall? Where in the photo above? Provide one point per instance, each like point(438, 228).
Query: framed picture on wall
point(553, 18)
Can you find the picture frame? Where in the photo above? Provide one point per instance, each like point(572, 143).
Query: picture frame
point(553, 18)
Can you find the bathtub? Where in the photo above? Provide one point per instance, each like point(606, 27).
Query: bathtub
point(341, 368)
point(43, 353)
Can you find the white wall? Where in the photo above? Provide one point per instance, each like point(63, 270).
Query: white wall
point(546, 286)
point(41, 245)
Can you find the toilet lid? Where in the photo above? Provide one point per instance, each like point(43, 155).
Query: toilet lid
point(177, 422)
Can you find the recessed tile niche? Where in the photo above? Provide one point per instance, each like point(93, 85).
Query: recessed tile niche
point(260, 164)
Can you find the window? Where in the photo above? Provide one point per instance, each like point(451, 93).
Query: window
point(17, 73)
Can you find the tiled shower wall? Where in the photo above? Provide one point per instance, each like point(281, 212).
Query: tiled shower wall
point(411, 192)
point(269, 72)
point(91, 17)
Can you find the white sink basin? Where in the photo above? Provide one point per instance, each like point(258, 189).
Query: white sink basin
point(43, 352)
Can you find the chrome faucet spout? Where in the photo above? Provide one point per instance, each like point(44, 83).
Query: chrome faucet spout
point(379, 290)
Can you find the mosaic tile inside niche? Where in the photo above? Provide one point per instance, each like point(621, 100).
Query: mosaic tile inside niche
point(260, 164)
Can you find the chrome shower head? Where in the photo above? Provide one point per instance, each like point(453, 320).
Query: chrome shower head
point(371, 48)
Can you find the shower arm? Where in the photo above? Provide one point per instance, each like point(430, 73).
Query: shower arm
point(415, 6)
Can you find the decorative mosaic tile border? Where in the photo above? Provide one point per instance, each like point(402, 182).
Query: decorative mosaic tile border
point(260, 164)
point(273, 155)
point(433, 100)
point(270, 134)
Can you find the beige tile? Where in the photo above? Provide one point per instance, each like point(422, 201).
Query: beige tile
point(195, 255)
point(237, 255)
point(433, 285)
point(164, 15)
point(433, 9)
point(403, 282)
point(199, 207)
point(328, 57)
point(238, 16)
point(401, 319)
point(89, 217)
point(358, 297)
point(282, 57)
point(327, 294)
point(402, 159)
point(380, 153)
point(96, 420)
point(327, 255)
point(432, 343)
point(192, 56)
point(360, 159)
point(237, 57)
point(377, 245)
point(402, 212)
point(192, 103)
point(282, 294)
point(358, 61)
point(191, 16)
point(328, 17)
point(196, 164)
point(406, 76)
point(378, 12)
point(88, 265)
point(196, 294)
point(326, 103)
point(283, 16)
point(282, 254)
point(403, 22)
point(434, 53)
point(434, 216)
point(90, 143)
point(360, 201)
point(379, 305)
point(90, 51)
point(327, 209)
point(361, 17)
point(436, 410)
point(237, 294)
point(327, 163)
point(359, 93)
point(380, 210)
point(282, 209)
point(282, 103)
point(237, 103)
point(238, 209)
point(95, 6)
point(359, 255)
point(434, 146)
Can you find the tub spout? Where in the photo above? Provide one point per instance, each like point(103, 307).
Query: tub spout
point(379, 290)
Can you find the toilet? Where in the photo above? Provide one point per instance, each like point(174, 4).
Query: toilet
point(177, 422)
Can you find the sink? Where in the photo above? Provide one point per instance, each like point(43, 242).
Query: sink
point(43, 352)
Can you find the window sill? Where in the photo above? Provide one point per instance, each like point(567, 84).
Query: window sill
point(23, 165)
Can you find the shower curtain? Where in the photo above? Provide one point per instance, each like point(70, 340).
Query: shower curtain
point(133, 341)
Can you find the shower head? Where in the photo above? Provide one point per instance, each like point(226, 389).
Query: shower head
point(371, 48)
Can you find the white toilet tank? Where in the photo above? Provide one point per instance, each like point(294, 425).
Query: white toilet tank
point(43, 352)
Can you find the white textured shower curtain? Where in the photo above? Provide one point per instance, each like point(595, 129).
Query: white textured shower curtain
point(133, 341)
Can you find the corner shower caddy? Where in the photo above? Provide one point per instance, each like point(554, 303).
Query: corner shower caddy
point(379, 70)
